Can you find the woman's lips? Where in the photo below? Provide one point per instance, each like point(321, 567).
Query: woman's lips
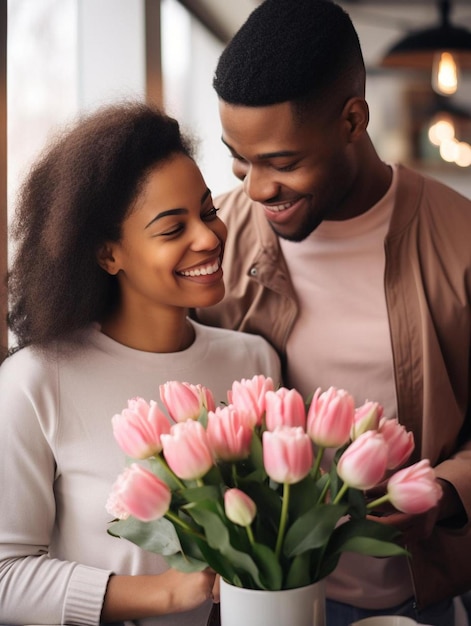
point(208, 272)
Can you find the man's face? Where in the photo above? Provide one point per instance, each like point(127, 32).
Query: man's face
point(301, 171)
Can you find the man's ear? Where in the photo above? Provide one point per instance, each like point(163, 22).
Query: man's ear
point(105, 257)
point(357, 115)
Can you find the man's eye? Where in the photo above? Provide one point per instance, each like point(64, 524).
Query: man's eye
point(286, 168)
point(238, 158)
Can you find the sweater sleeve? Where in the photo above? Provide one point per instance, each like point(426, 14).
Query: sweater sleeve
point(34, 587)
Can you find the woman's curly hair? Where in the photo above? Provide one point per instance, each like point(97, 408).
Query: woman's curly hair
point(75, 198)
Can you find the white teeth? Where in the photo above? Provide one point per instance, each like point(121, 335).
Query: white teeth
point(279, 207)
point(203, 271)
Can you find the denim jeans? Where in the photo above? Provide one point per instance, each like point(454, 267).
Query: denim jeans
point(441, 614)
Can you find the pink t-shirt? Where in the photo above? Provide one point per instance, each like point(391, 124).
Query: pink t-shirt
point(341, 339)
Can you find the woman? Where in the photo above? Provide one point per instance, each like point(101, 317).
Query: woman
point(117, 237)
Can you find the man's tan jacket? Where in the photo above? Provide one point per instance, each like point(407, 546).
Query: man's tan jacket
point(428, 293)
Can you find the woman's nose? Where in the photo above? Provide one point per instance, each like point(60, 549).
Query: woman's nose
point(205, 237)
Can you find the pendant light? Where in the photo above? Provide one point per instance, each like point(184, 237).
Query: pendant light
point(444, 50)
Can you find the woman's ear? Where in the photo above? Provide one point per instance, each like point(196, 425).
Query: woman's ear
point(357, 115)
point(106, 258)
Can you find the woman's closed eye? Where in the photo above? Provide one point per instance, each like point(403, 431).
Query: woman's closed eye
point(210, 214)
point(171, 231)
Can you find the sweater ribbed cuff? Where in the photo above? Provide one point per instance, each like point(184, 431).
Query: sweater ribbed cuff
point(85, 594)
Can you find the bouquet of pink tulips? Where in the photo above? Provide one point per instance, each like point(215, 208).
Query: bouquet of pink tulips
point(241, 487)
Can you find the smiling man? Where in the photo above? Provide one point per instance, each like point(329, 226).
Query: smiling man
point(357, 271)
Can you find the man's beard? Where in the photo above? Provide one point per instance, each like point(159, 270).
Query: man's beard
point(306, 228)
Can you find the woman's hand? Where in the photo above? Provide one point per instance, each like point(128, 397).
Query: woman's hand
point(137, 597)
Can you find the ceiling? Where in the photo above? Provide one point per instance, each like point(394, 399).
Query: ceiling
point(379, 22)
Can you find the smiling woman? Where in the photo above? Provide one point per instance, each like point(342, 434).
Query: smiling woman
point(168, 258)
point(117, 237)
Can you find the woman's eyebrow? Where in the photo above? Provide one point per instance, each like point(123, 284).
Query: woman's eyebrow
point(177, 210)
point(159, 216)
point(206, 194)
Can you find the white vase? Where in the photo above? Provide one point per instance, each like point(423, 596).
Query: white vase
point(303, 606)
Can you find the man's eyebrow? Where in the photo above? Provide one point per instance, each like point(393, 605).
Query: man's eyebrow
point(265, 155)
point(177, 210)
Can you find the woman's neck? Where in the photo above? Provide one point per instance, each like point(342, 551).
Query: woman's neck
point(168, 333)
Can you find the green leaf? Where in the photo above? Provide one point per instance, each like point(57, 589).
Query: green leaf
point(203, 417)
point(160, 468)
point(221, 565)
point(218, 537)
point(270, 569)
point(158, 536)
point(372, 547)
point(304, 495)
point(268, 504)
point(367, 528)
point(185, 563)
point(363, 536)
point(213, 476)
point(313, 529)
point(356, 503)
point(256, 452)
point(299, 571)
point(197, 494)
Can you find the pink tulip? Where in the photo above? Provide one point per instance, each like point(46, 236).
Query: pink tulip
point(366, 418)
point(137, 429)
point(185, 401)
point(229, 433)
point(249, 395)
point(414, 489)
point(363, 464)
point(187, 451)
point(330, 417)
point(287, 454)
point(285, 407)
point(400, 442)
point(138, 492)
point(239, 508)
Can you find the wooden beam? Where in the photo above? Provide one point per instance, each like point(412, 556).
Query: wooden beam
point(153, 53)
point(209, 19)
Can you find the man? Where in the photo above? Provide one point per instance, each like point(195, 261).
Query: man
point(358, 272)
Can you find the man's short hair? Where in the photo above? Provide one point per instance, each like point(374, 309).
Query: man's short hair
point(289, 50)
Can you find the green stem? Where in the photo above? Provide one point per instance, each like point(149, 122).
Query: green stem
point(200, 482)
point(165, 465)
point(250, 535)
point(378, 502)
point(343, 489)
point(283, 519)
point(170, 515)
point(234, 474)
point(324, 491)
point(317, 464)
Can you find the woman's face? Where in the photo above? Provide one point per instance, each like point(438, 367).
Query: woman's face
point(171, 247)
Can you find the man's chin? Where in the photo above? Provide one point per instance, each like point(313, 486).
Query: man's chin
point(290, 234)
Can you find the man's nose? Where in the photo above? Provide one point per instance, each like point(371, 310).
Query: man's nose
point(259, 185)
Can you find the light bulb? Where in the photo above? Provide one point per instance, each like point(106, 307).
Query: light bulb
point(445, 73)
point(449, 150)
point(441, 129)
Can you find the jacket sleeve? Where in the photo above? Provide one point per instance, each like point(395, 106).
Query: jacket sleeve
point(33, 586)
